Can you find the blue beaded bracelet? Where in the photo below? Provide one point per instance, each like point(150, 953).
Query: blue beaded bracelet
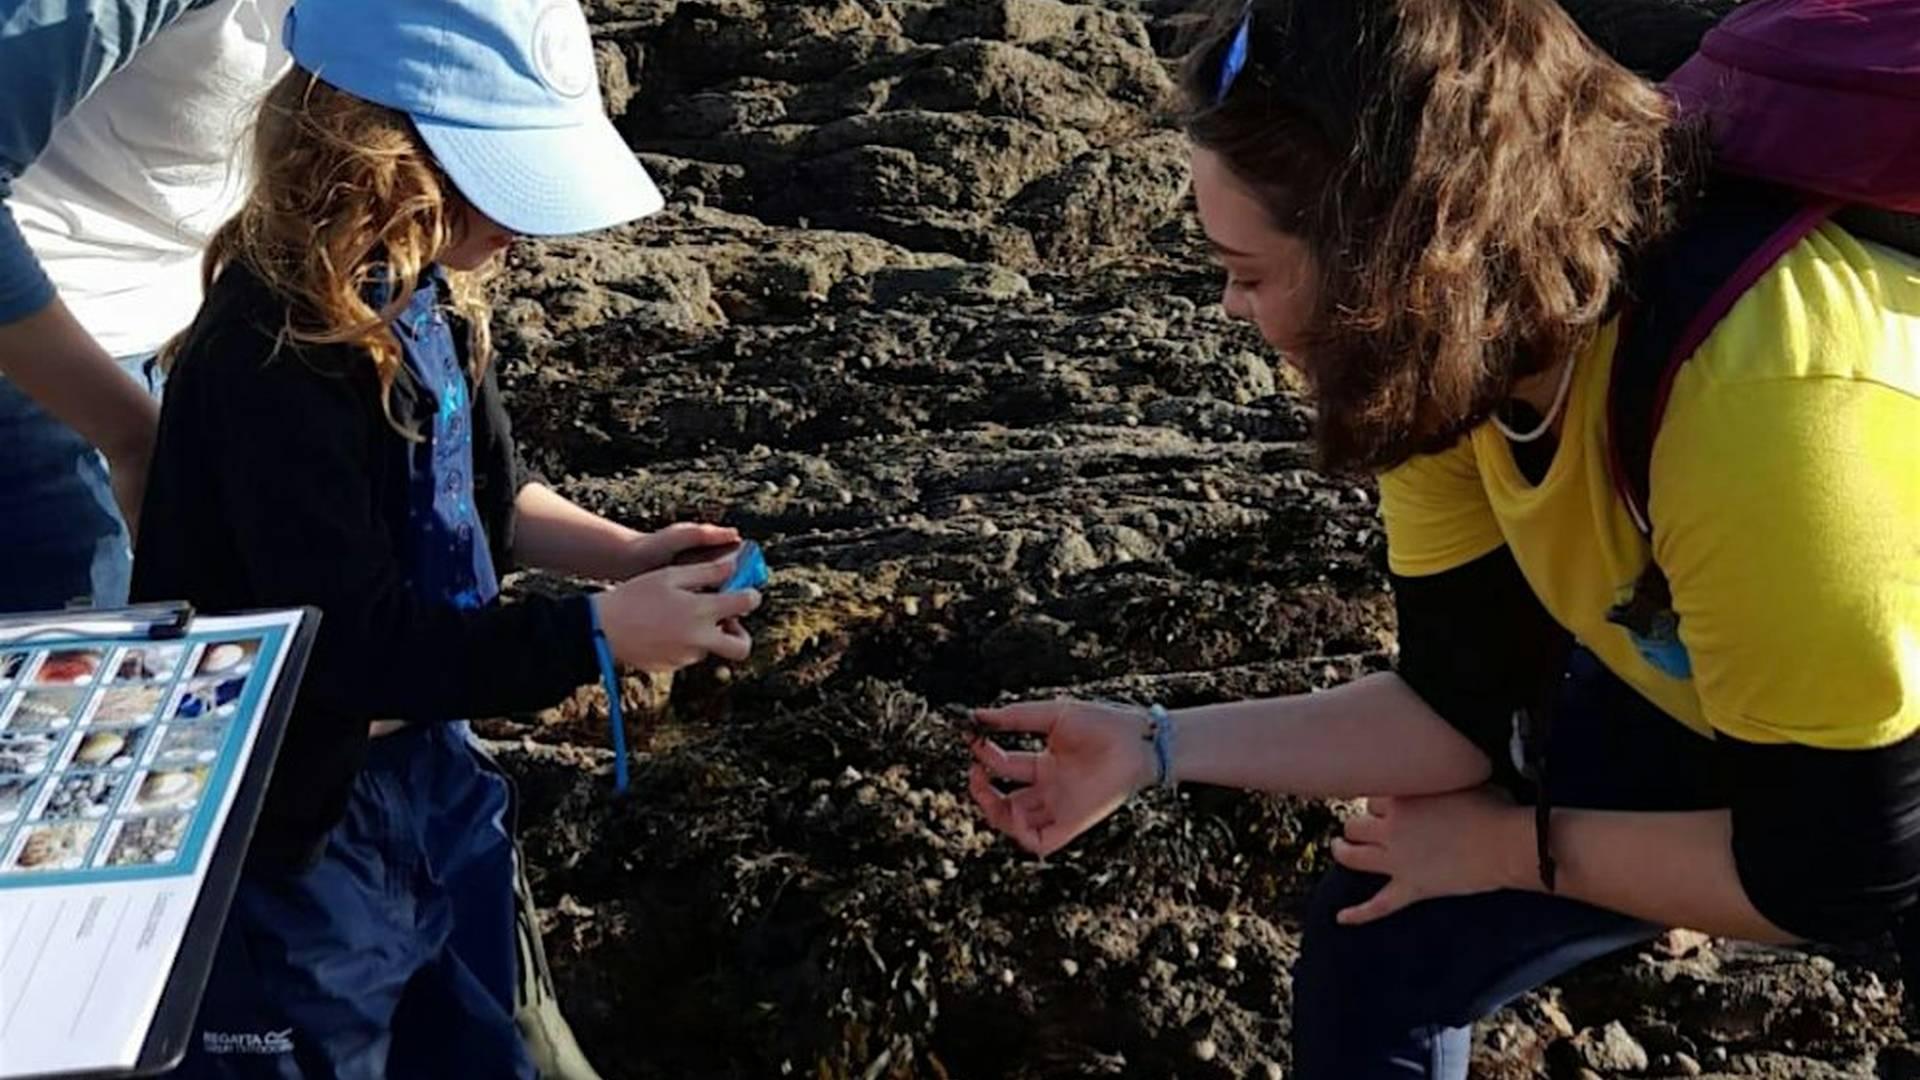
point(1160, 730)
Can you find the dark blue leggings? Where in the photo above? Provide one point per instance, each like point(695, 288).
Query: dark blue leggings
point(1398, 998)
point(394, 955)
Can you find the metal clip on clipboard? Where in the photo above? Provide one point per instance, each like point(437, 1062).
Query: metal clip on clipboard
point(153, 622)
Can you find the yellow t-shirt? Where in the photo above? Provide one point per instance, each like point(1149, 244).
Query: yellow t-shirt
point(1785, 504)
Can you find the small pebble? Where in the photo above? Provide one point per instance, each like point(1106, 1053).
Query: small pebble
point(1006, 976)
point(1193, 950)
point(948, 870)
point(1205, 1050)
point(1069, 968)
point(1227, 962)
point(1686, 1066)
point(1272, 1070)
point(910, 606)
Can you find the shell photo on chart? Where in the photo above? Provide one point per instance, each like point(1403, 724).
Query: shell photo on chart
point(59, 845)
point(16, 792)
point(69, 667)
point(149, 841)
point(25, 754)
point(229, 658)
point(83, 796)
point(205, 699)
point(148, 663)
point(109, 748)
point(46, 708)
point(128, 705)
point(190, 744)
point(169, 789)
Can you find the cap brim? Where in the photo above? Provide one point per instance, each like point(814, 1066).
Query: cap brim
point(545, 181)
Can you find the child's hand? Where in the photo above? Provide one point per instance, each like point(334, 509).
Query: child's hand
point(670, 618)
point(657, 549)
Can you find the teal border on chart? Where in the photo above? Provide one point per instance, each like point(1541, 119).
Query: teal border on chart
point(246, 717)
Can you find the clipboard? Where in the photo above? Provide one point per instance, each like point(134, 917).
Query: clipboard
point(259, 724)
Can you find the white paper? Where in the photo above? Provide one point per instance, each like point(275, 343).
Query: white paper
point(119, 763)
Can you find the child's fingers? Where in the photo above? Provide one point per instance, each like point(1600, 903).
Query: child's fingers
point(734, 605)
point(705, 575)
point(733, 645)
point(695, 534)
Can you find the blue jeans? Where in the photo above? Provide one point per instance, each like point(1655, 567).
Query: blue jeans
point(63, 540)
point(394, 955)
point(1398, 998)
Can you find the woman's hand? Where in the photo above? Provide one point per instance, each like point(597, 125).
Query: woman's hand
point(1095, 757)
point(1433, 846)
point(651, 551)
point(671, 618)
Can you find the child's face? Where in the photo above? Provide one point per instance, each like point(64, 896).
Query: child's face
point(476, 240)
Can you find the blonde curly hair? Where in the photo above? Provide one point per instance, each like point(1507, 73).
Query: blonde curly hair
point(345, 198)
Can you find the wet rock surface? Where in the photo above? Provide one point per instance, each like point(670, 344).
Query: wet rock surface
point(929, 317)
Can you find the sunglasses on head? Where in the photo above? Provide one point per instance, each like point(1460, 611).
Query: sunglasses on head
point(1235, 60)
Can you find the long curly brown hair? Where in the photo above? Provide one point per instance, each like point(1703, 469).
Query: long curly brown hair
point(345, 198)
point(1473, 177)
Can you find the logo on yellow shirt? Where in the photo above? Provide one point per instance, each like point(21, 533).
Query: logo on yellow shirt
point(1645, 612)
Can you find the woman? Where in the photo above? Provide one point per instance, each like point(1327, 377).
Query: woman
point(1434, 208)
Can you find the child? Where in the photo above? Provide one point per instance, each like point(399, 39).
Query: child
point(334, 436)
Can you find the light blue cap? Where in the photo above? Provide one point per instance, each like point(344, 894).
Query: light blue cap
point(504, 92)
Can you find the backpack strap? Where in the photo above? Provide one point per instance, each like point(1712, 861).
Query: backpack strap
point(1687, 284)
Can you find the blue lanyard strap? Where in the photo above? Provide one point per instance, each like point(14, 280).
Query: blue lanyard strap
point(610, 679)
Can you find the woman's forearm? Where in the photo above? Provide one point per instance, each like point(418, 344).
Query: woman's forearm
point(1674, 869)
point(61, 367)
point(1373, 736)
